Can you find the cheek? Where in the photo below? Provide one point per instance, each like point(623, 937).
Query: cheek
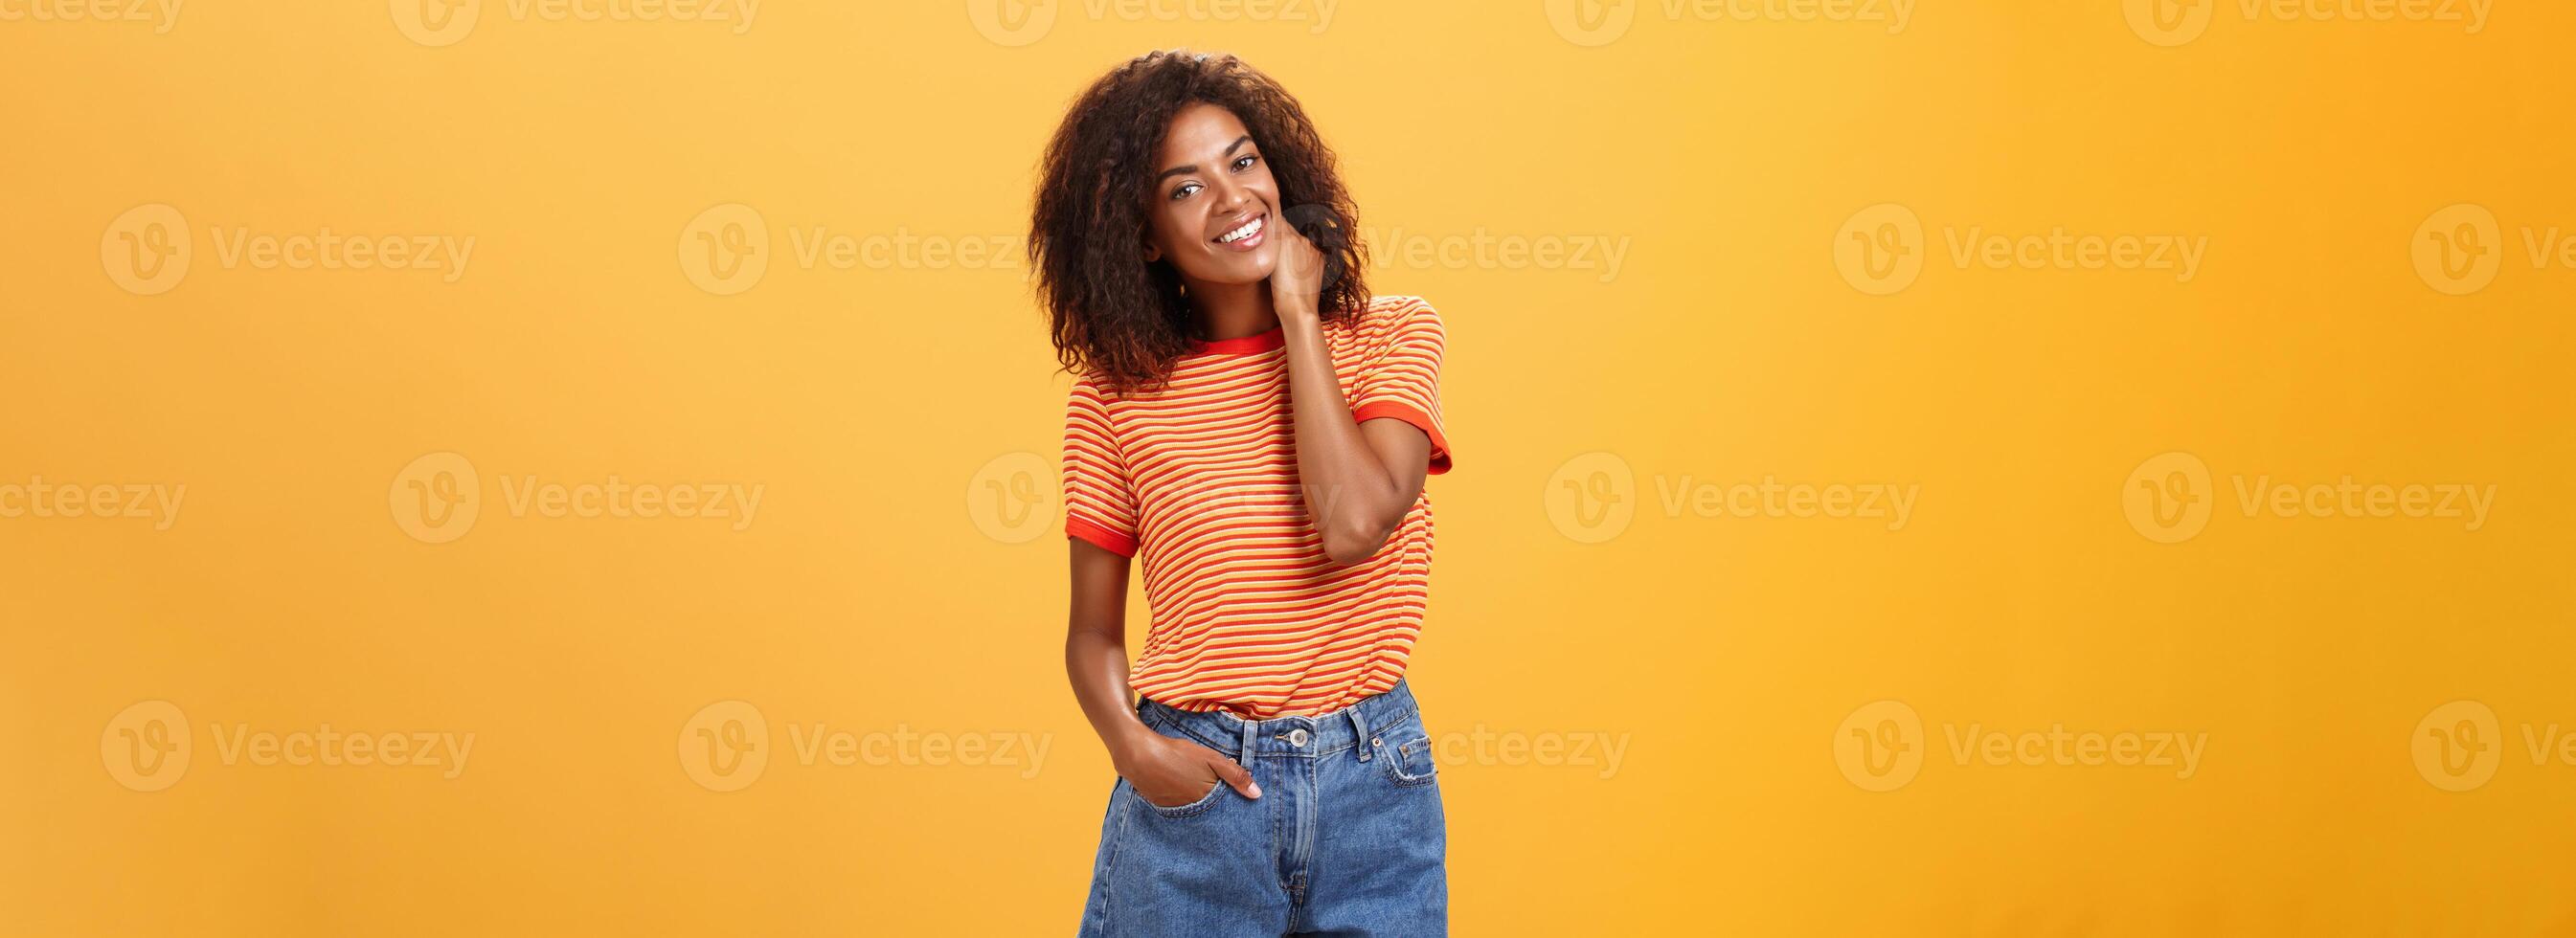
point(1159, 228)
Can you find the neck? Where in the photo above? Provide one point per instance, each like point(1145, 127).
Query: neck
point(1233, 311)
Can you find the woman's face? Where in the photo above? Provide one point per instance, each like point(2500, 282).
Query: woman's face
point(1213, 202)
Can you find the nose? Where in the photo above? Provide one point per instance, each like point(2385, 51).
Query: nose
point(1231, 196)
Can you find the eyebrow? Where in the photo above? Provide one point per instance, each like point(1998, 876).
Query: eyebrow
point(1194, 167)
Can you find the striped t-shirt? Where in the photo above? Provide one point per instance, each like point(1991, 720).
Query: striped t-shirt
point(1200, 477)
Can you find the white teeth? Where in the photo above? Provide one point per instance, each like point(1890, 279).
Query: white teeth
point(1248, 230)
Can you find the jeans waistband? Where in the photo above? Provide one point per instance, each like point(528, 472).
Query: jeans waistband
point(1307, 737)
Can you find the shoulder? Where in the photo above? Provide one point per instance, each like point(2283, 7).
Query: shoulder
point(1090, 389)
point(1401, 309)
point(1388, 319)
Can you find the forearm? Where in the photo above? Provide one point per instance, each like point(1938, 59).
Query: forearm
point(1097, 664)
point(1351, 497)
point(1165, 770)
point(1095, 646)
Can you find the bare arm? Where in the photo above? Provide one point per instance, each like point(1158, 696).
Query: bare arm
point(1164, 770)
point(1359, 479)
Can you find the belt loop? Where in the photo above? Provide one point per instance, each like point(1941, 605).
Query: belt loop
point(1359, 732)
point(1250, 733)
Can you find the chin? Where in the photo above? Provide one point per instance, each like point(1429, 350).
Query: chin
point(1262, 261)
point(1239, 271)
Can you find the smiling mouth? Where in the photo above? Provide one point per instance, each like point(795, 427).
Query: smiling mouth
point(1246, 237)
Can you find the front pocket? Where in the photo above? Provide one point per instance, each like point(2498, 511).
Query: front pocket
point(1408, 762)
point(1205, 801)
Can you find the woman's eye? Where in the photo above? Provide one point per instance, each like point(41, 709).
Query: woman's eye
point(1184, 191)
point(1243, 162)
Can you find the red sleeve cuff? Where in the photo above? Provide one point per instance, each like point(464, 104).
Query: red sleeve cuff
point(1108, 540)
point(1414, 416)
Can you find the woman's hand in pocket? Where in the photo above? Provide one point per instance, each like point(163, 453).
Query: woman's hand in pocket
point(1172, 772)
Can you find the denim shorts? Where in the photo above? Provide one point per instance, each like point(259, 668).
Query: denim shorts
point(1347, 837)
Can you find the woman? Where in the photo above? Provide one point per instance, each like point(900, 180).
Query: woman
point(1254, 425)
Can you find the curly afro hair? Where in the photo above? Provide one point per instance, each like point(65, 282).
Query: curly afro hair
point(1114, 314)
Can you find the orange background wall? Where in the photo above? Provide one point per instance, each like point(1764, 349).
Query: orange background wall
point(1682, 252)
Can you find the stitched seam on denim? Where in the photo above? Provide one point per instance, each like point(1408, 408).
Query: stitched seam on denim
point(1117, 845)
point(1191, 809)
point(1185, 729)
point(1378, 727)
point(1273, 810)
point(1393, 756)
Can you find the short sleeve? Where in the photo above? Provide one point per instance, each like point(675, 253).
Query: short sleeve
point(1099, 502)
point(1401, 378)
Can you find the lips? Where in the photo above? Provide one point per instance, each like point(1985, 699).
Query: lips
point(1246, 236)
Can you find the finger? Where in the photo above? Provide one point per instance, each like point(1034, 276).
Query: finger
point(1234, 774)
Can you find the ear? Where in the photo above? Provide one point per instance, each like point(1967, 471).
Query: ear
point(1153, 252)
